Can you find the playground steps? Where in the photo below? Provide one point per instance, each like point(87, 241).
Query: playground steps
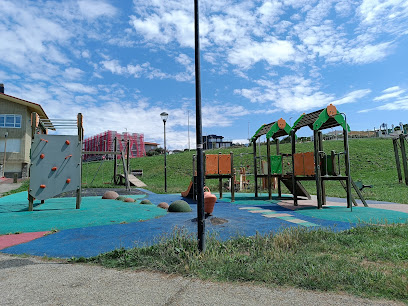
point(135, 181)
point(359, 194)
point(300, 190)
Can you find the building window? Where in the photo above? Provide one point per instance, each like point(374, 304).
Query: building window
point(10, 121)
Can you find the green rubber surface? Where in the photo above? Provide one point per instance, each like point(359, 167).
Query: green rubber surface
point(60, 213)
point(358, 215)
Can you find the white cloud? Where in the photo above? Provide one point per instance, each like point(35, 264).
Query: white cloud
point(73, 73)
point(294, 93)
point(94, 9)
point(275, 52)
point(390, 95)
point(147, 71)
point(80, 88)
point(391, 89)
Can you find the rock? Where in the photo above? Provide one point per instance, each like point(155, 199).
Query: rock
point(145, 201)
point(120, 198)
point(129, 200)
point(179, 206)
point(163, 205)
point(112, 195)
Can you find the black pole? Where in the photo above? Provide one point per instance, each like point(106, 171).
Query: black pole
point(199, 140)
point(165, 158)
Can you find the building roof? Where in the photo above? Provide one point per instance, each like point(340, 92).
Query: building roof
point(34, 107)
point(151, 143)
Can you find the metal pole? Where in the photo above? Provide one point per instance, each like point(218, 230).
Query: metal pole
point(199, 137)
point(165, 158)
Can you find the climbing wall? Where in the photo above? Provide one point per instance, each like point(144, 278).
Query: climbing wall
point(55, 165)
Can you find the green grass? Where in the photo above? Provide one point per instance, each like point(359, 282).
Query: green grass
point(365, 261)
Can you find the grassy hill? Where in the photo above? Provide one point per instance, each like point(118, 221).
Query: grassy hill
point(372, 161)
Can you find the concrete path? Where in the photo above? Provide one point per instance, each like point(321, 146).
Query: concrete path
point(8, 185)
point(33, 281)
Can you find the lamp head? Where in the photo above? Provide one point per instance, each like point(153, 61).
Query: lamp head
point(164, 116)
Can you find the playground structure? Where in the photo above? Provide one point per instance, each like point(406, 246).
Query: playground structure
point(401, 138)
point(55, 159)
point(318, 165)
point(121, 157)
point(217, 166)
point(274, 166)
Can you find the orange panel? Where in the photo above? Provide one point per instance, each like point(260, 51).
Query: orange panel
point(309, 164)
point(211, 164)
point(225, 164)
point(299, 168)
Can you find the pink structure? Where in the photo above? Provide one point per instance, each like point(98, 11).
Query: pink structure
point(104, 142)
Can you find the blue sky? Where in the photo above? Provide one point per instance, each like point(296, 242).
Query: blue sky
point(122, 63)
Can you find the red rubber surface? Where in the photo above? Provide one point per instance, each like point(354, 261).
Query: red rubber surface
point(14, 239)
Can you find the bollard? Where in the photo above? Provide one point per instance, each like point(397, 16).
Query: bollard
point(15, 177)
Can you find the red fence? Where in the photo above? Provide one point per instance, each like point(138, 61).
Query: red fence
point(105, 142)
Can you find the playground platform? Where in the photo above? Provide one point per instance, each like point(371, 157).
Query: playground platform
point(104, 225)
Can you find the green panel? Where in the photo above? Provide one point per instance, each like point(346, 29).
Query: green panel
point(339, 118)
point(273, 130)
point(327, 165)
point(276, 164)
point(323, 117)
point(300, 118)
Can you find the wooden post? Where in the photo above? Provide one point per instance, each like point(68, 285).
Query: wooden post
point(33, 131)
point(279, 181)
point(293, 141)
point(115, 166)
point(347, 159)
point(322, 182)
point(317, 169)
point(255, 169)
point(404, 157)
point(397, 160)
point(80, 139)
point(268, 158)
point(128, 156)
point(30, 202)
point(220, 178)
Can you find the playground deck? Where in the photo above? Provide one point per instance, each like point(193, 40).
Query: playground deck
point(103, 225)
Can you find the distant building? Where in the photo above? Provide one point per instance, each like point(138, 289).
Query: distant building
point(215, 142)
point(105, 142)
point(150, 146)
point(15, 121)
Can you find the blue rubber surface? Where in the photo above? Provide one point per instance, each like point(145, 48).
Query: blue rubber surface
point(91, 241)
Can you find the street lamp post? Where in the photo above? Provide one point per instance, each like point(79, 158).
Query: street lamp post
point(164, 117)
point(4, 157)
